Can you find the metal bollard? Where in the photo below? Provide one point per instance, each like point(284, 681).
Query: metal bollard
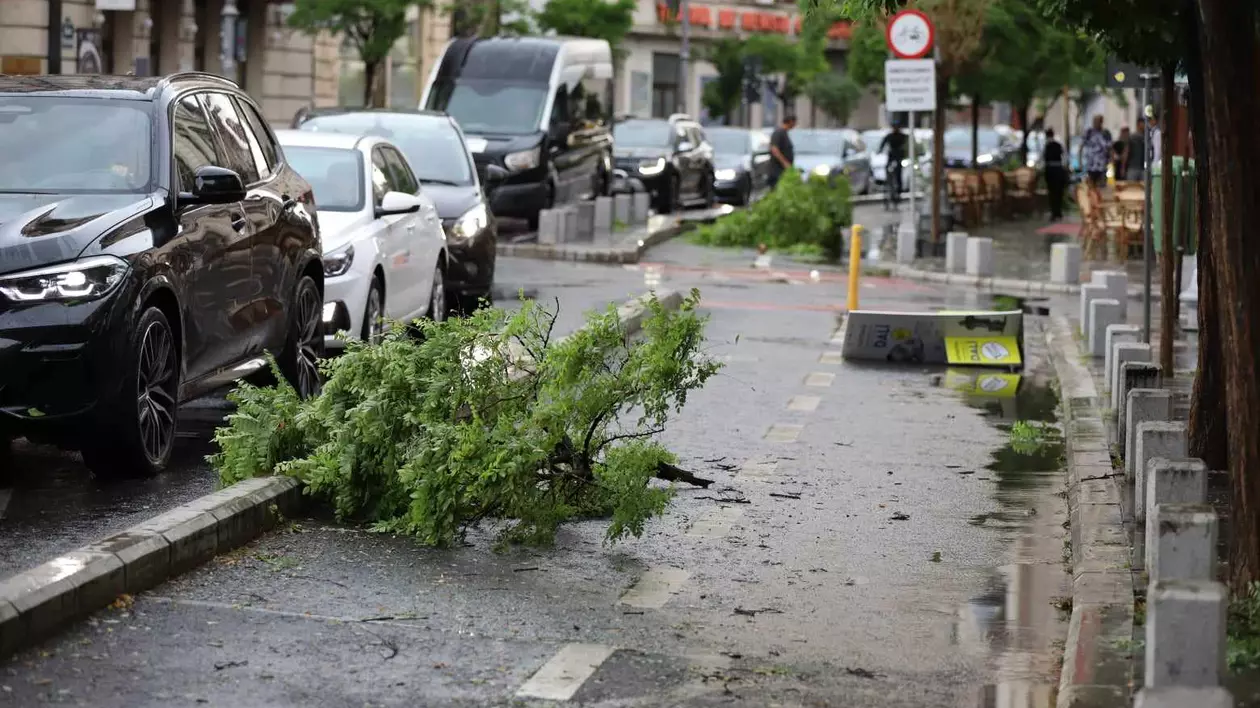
point(855, 265)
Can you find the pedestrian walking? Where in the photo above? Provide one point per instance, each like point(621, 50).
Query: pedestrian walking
point(1056, 174)
point(781, 149)
point(1095, 148)
point(1120, 153)
point(1134, 170)
point(895, 143)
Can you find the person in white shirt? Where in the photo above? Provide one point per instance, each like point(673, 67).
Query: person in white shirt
point(1156, 142)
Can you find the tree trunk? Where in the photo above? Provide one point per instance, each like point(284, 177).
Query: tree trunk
point(1229, 51)
point(1067, 130)
point(975, 131)
point(371, 75)
point(938, 153)
point(1022, 112)
point(1167, 281)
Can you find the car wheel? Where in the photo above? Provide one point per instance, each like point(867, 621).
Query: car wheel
point(668, 200)
point(304, 343)
point(374, 313)
point(6, 460)
point(137, 430)
point(710, 192)
point(437, 298)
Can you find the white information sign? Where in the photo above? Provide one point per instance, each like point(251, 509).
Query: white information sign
point(116, 5)
point(910, 85)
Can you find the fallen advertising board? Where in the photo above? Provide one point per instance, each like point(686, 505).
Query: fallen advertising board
point(982, 384)
point(959, 338)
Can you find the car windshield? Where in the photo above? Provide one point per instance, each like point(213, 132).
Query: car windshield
point(817, 142)
point(491, 107)
point(960, 138)
point(728, 141)
point(429, 143)
point(61, 145)
point(335, 175)
point(642, 134)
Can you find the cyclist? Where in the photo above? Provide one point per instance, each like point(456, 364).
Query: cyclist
point(895, 143)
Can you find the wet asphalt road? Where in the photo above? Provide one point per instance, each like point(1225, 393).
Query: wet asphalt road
point(794, 581)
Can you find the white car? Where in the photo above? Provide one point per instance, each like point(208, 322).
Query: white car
point(384, 247)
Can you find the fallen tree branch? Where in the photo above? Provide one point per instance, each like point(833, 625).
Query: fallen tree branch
point(671, 473)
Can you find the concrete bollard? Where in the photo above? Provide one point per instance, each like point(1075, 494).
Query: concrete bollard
point(1116, 282)
point(1117, 334)
point(639, 204)
point(1124, 353)
point(621, 209)
point(605, 211)
point(906, 246)
point(1065, 263)
point(1181, 542)
point(1185, 633)
point(1151, 440)
point(584, 226)
point(980, 256)
point(550, 226)
point(955, 252)
point(1103, 312)
point(569, 214)
point(1142, 405)
point(1089, 292)
point(1133, 374)
point(1184, 697)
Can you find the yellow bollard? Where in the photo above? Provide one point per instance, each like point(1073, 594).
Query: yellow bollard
point(855, 265)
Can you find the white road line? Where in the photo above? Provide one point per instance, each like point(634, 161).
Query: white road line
point(655, 587)
point(758, 469)
point(715, 524)
point(784, 432)
point(831, 358)
point(5, 495)
point(564, 673)
point(803, 403)
point(819, 379)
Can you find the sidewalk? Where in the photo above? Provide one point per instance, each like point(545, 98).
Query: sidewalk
point(626, 245)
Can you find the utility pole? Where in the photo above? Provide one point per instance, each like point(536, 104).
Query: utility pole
point(227, 39)
point(1148, 255)
point(684, 56)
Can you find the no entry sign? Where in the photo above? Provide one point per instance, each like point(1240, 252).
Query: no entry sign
point(909, 34)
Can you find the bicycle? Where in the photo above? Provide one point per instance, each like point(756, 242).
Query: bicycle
point(892, 185)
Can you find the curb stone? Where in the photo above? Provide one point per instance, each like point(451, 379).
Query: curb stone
point(1006, 285)
point(585, 253)
point(1097, 666)
point(37, 603)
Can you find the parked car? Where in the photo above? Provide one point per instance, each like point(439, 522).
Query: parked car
point(384, 250)
point(539, 107)
point(437, 152)
point(993, 150)
point(832, 152)
point(155, 245)
point(670, 156)
point(879, 160)
point(741, 158)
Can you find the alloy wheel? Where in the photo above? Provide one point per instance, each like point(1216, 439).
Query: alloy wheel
point(374, 317)
point(310, 342)
point(156, 380)
point(437, 299)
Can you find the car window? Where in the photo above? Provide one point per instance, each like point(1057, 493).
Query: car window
point(560, 107)
point(680, 133)
point(381, 183)
point(192, 140)
point(233, 145)
point(260, 144)
point(400, 172)
point(695, 135)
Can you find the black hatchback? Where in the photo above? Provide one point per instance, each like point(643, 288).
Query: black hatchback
point(154, 246)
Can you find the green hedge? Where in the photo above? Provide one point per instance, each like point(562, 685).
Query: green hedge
point(796, 215)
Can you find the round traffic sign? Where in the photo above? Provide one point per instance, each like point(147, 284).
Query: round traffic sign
point(909, 34)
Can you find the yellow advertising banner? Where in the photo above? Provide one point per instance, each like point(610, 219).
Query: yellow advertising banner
point(982, 384)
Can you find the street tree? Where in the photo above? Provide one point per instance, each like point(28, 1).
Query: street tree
point(372, 26)
point(610, 21)
point(868, 50)
point(834, 93)
point(490, 18)
point(721, 97)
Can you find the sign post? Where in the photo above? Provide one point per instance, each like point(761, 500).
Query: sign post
point(909, 83)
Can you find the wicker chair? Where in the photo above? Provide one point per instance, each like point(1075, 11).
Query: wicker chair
point(1092, 235)
point(1020, 192)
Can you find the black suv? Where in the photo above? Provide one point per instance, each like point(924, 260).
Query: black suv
point(154, 246)
point(671, 157)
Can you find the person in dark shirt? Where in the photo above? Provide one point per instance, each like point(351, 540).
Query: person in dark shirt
point(781, 149)
point(896, 143)
point(1056, 174)
point(1120, 153)
point(1134, 168)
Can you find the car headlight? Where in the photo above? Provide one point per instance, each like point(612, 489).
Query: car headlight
point(822, 170)
point(87, 279)
point(338, 262)
point(523, 160)
point(905, 163)
point(724, 175)
point(471, 223)
point(984, 159)
point(652, 167)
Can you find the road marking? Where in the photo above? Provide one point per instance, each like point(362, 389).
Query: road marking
point(758, 469)
point(831, 358)
point(715, 524)
point(564, 673)
point(803, 403)
point(5, 495)
point(820, 379)
point(784, 432)
point(655, 587)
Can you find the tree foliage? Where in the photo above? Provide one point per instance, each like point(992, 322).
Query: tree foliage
point(485, 418)
point(868, 50)
point(372, 26)
point(722, 96)
point(835, 94)
point(610, 21)
point(796, 214)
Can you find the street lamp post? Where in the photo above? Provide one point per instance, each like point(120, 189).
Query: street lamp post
point(684, 56)
point(227, 39)
point(1148, 256)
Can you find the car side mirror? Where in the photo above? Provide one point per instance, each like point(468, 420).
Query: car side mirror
point(398, 203)
point(214, 185)
point(686, 146)
point(559, 132)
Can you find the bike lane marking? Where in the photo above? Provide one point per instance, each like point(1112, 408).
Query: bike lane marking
point(564, 673)
point(655, 587)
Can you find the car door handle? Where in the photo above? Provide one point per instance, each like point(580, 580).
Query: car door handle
point(239, 222)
